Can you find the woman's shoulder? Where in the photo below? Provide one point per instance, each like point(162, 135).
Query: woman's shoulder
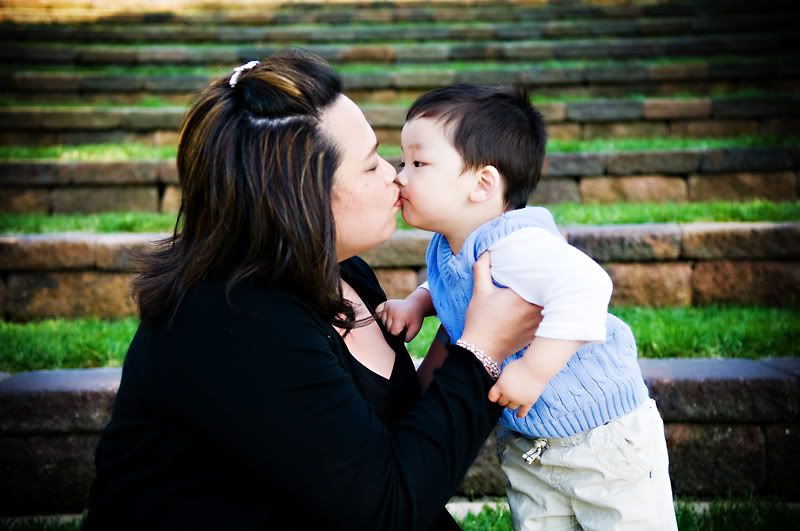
point(249, 307)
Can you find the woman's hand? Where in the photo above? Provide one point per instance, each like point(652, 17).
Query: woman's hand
point(498, 320)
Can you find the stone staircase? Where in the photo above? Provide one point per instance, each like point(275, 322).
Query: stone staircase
point(706, 91)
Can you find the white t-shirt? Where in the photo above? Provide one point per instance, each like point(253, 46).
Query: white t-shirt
point(544, 269)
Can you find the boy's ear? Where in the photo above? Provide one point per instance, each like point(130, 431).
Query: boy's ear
point(488, 184)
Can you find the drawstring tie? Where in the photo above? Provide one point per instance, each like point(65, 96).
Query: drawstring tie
point(536, 452)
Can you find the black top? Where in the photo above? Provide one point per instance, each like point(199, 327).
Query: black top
point(254, 416)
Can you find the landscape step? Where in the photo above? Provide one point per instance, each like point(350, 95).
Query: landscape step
point(31, 53)
point(731, 427)
point(598, 118)
point(365, 12)
point(80, 274)
point(731, 174)
point(768, 73)
point(502, 31)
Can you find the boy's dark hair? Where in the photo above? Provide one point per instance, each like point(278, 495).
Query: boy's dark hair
point(497, 126)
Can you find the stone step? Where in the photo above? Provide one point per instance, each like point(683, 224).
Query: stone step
point(730, 424)
point(82, 274)
point(405, 81)
point(32, 53)
point(599, 118)
point(729, 174)
point(271, 12)
point(422, 32)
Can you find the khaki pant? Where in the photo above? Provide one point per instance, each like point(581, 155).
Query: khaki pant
point(614, 476)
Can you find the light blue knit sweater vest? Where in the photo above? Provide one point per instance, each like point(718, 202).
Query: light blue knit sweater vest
point(601, 382)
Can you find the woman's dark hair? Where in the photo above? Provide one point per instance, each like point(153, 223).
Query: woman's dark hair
point(256, 172)
point(491, 125)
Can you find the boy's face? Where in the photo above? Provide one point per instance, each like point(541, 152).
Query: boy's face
point(433, 186)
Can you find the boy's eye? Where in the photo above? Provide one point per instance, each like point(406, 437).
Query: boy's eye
point(417, 164)
point(401, 165)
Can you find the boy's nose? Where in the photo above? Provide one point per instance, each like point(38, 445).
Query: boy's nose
point(401, 179)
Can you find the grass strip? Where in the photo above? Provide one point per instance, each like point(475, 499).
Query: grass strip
point(64, 344)
point(749, 513)
point(136, 151)
point(564, 213)
point(703, 332)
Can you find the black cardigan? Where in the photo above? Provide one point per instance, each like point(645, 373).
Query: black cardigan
point(249, 418)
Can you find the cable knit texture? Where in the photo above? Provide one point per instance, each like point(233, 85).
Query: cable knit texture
point(601, 382)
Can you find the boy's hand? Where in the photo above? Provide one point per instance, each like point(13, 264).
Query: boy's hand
point(401, 314)
point(517, 387)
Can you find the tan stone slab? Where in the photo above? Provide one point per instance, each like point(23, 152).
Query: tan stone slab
point(624, 130)
point(45, 252)
point(105, 199)
point(563, 131)
point(707, 459)
point(117, 252)
point(775, 186)
point(398, 283)
point(670, 108)
point(701, 128)
point(630, 243)
point(645, 188)
point(171, 201)
point(766, 283)
point(79, 294)
point(25, 200)
point(405, 249)
point(740, 240)
point(551, 191)
point(651, 284)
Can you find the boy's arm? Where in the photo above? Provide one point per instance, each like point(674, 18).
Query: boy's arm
point(406, 315)
point(523, 380)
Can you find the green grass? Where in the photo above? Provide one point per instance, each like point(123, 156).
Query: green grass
point(619, 213)
point(64, 344)
point(749, 513)
point(564, 213)
point(135, 151)
point(693, 332)
point(100, 223)
point(717, 331)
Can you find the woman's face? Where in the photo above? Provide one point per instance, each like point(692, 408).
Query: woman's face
point(365, 197)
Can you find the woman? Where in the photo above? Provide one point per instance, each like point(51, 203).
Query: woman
point(259, 392)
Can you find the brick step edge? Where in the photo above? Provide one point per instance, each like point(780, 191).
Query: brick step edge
point(600, 110)
point(667, 162)
point(732, 426)
point(512, 30)
point(627, 74)
point(619, 48)
point(398, 11)
point(620, 243)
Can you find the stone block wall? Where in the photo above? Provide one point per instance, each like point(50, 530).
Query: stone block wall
point(731, 428)
point(740, 174)
point(76, 275)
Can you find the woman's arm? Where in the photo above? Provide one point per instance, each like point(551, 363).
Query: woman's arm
point(272, 393)
point(437, 354)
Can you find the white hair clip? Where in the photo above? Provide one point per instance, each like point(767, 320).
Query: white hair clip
point(238, 71)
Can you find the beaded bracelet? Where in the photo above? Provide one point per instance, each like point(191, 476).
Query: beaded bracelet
point(488, 363)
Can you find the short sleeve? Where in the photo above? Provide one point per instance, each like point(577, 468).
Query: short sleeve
point(542, 268)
